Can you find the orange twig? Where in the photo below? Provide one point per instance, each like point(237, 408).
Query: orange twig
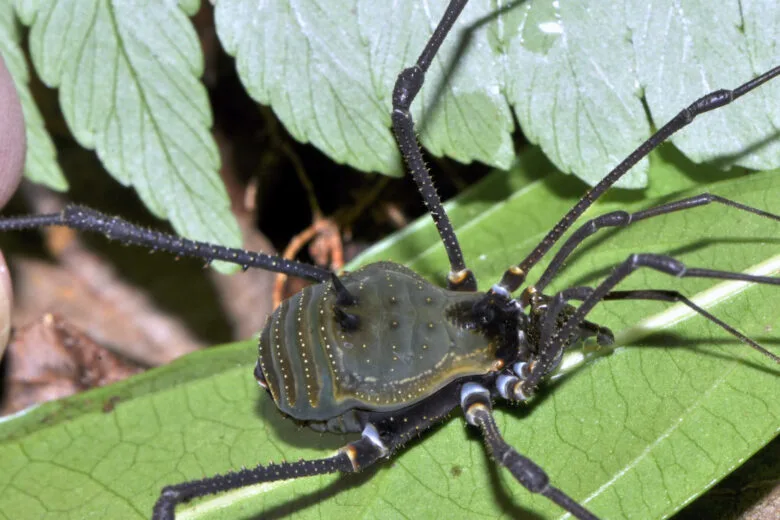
point(326, 248)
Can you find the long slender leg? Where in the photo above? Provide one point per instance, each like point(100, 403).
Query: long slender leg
point(676, 297)
point(353, 457)
point(581, 293)
point(623, 219)
point(383, 435)
point(665, 264)
point(407, 87)
point(115, 228)
point(515, 275)
point(475, 401)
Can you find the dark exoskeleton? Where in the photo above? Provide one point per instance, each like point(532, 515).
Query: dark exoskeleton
point(383, 352)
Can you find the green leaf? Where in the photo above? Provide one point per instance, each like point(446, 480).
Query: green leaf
point(40, 162)
point(638, 433)
point(679, 57)
point(127, 75)
point(573, 72)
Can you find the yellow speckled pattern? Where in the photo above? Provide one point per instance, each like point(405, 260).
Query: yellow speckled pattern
point(403, 350)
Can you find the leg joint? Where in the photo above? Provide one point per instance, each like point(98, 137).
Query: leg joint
point(407, 87)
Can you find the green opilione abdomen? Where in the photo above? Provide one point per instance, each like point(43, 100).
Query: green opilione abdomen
point(403, 349)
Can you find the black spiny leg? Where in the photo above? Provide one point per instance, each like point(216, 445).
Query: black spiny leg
point(115, 228)
point(383, 436)
point(590, 297)
point(353, 457)
point(475, 401)
point(559, 304)
point(623, 219)
point(515, 275)
point(676, 297)
point(408, 85)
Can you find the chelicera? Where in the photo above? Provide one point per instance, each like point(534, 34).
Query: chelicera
point(384, 353)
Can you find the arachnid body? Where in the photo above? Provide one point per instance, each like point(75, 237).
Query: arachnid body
point(382, 352)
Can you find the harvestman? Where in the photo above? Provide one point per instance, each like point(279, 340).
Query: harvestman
point(469, 348)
